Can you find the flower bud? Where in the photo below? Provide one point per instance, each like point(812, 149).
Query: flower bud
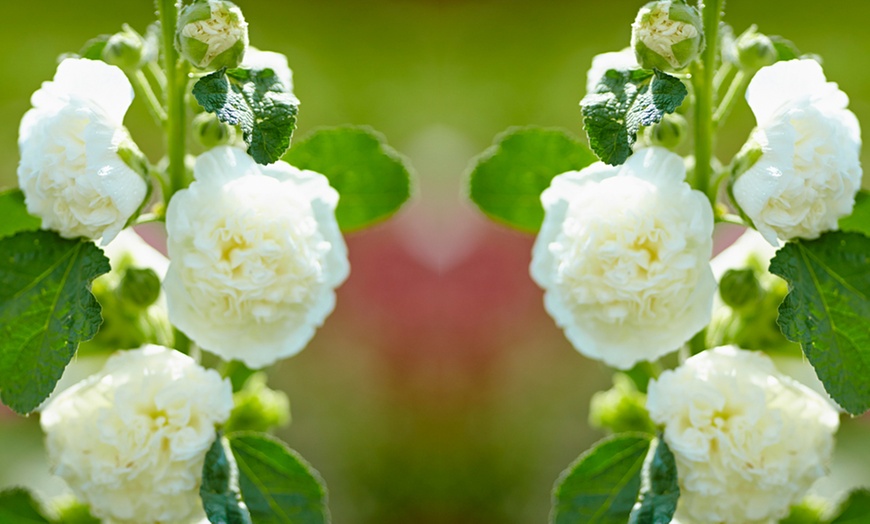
point(139, 287)
point(740, 288)
point(258, 408)
point(667, 35)
point(670, 133)
point(212, 34)
point(755, 50)
point(621, 408)
point(211, 132)
point(124, 50)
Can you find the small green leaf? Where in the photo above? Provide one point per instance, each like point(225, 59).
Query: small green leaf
point(659, 495)
point(14, 213)
point(785, 49)
point(277, 484)
point(17, 506)
point(827, 311)
point(855, 509)
point(601, 487)
point(255, 100)
point(46, 310)
point(623, 101)
point(93, 48)
point(859, 220)
point(372, 178)
point(507, 180)
point(220, 493)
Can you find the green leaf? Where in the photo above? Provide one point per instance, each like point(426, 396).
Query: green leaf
point(220, 493)
point(372, 178)
point(93, 48)
point(14, 213)
point(785, 49)
point(623, 101)
point(827, 311)
point(507, 180)
point(46, 310)
point(17, 506)
point(601, 487)
point(855, 509)
point(859, 220)
point(659, 495)
point(255, 100)
point(277, 484)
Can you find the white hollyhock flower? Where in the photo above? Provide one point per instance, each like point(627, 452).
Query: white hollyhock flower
point(623, 256)
point(255, 256)
point(748, 441)
point(604, 62)
point(256, 59)
point(131, 440)
point(809, 170)
point(70, 171)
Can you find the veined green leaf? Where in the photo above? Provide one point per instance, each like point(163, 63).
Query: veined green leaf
point(13, 214)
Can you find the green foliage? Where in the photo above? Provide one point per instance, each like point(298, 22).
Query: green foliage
point(256, 407)
point(785, 49)
point(372, 179)
point(623, 101)
point(220, 493)
point(507, 180)
point(827, 311)
point(46, 310)
point(621, 408)
point(17, 506)
point(661, 490)
point(855, 509)
point(277, 484)
point(255, 100)
point(601, 487)
point(14, 213)
point(859, 220)
point(69, 510)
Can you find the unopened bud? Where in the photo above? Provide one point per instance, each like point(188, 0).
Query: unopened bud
point(139, 287)
point(212, 34)
point(740, 288)
point(667, 35)
point(755, 50)
point(670, 133)
point(124, 50)
point(211, 132)
point(621, 408)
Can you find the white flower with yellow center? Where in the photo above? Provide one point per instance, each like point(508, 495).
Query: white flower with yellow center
point(255, 257)
point(70, 171)
point(623, 256)
point(131, 440)
point(748, 441)
point(809, 170)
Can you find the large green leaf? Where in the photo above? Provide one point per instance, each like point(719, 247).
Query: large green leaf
point(507, 180)
point(827, 311)
point(859, 220)
point(13, 214)
point(855, 509)
point(623, 101)
point(601, 487)
point(219, 492)
point(661, 490)
point(46, 310)
point(17, 506)
point(372, 178)
point(278, 486)
point(255, 100)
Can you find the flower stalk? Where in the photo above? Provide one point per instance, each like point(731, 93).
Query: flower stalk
point(176, 88)
point(703, 82)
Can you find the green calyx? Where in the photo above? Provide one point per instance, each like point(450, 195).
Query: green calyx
point(212, 34)
point(210, 132)
point(124, 50)
point(667, 35)
point(258, 408)
point(755, 50)
point(620, 408)
point(740, 288)
point(139, 287)
point(670, 133)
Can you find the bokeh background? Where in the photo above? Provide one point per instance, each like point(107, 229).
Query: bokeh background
point(439, 391)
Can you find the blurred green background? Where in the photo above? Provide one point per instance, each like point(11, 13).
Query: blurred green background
point(439, 391)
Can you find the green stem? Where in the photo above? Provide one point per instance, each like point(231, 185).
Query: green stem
point(143, 90)
point(703, 76)
point(176, 88)
point(737, 87)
